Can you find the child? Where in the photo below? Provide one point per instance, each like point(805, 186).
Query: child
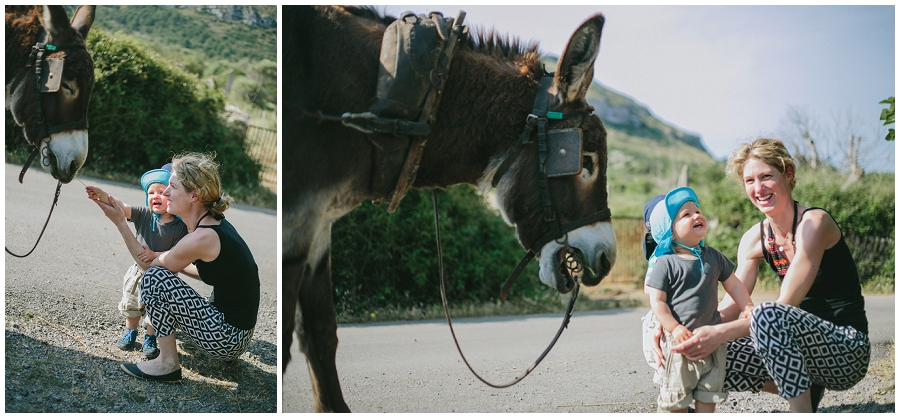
point(682, 283)
point(156, 231)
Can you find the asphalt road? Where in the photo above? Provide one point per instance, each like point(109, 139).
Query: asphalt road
point(596, 366)
point(82, 254)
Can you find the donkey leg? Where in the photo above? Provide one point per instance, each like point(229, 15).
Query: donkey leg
point(318, 331)
point(292, 276)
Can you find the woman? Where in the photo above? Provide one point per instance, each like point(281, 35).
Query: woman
point(815, 334)
point(212, 252)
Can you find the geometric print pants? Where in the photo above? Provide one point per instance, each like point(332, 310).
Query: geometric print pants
point(171, 303)
point(795, 349)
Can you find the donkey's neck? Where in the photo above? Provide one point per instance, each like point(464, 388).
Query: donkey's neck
point(22, 32)
point(482, 112)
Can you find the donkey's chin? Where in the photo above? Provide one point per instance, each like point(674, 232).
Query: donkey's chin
point(65, 155)
point(597, 243)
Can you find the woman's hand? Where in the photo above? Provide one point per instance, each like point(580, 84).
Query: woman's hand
point(701, 344)
point(114, 210)
point(147, 255)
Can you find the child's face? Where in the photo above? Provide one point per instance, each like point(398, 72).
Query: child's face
point(689, 226)
point(155, 198)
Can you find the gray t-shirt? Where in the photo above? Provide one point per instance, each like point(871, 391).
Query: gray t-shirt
point(166, 235)
point(692, 295)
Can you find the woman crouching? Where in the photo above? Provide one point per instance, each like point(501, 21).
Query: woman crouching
point(214, 252)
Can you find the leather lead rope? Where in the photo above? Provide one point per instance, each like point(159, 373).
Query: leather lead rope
point(565, 323)
point(55, 200)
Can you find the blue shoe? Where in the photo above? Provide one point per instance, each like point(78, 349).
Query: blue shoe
point(127, 340)
point(149, 349)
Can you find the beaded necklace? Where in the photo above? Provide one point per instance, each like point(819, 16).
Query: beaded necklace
point(778, 259)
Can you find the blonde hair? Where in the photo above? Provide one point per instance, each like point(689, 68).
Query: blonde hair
point(200, 172)
point(769, 151)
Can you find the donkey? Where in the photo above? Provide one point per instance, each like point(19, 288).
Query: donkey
point(49, 77)
point(332, 66)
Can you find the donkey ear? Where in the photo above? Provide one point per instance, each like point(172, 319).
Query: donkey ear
point(575, 71)
point(55, 20)
point(83, 19)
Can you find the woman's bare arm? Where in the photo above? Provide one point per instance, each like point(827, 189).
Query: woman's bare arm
point(116, 213)
point(816, 232)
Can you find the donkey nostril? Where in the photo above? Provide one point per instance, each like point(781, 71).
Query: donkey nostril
point(73, 167)
point(605, 265)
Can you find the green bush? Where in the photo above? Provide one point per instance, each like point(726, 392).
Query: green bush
point(144, 110)
point(381, 259)
point(863, 208)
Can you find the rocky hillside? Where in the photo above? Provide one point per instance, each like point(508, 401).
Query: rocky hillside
point(249, 15)
point(623, 114)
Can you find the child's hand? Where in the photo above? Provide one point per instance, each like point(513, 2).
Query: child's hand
point(747, 311)
point(681, 334)
point(147, 255)
point(97, 194)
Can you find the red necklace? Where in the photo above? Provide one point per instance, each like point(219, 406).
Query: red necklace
point(778, 259)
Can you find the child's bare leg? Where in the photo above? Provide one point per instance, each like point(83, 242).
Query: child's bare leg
point(704, 407)
point(131, 322)
point(150, 329)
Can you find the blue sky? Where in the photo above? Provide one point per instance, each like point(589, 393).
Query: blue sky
point(730, 73)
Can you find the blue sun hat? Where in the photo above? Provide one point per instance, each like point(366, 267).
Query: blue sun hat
point(159, 175)
point(662, 217)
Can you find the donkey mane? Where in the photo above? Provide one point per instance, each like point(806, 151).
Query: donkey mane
point(483, 41)
point(21, 33)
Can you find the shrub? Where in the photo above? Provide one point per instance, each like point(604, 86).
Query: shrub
point(144, 110)
point(381, 259)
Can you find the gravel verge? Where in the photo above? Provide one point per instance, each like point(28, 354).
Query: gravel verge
point(61, 357)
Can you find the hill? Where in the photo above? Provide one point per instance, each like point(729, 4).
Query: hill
point(231, 33)
point(646, 155)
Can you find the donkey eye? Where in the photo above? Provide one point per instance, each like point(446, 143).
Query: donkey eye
point(588, 164)
point(67, 87)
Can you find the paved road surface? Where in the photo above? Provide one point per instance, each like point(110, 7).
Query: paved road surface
point(414, 366)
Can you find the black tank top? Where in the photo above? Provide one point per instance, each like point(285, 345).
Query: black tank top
point(835, 295)
point(233, 276)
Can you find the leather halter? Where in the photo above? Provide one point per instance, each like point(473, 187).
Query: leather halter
point(38, 61)
point(537, 121)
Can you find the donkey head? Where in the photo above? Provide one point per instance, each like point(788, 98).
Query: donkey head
point(578, 192)
point(55, 120)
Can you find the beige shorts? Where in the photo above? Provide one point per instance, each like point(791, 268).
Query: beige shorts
point(684, 381)
point(131, 305)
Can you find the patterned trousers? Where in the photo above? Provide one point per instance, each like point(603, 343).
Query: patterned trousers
point(795, 349)
point(171, 303)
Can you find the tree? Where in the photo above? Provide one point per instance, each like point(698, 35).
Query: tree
point(804, 125)
point(887, 115)
point(840, 144)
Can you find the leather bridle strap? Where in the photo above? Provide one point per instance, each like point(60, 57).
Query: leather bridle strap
point(565, 229)
point(565, 322)
point(37, 60)
point(55, 200)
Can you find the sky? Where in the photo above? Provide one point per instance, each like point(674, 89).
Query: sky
point(729, 74)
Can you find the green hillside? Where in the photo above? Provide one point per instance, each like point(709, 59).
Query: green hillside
point(646, 155)
point(202, 41)
point(191, 32)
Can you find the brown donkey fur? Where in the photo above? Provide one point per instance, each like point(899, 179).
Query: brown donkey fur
point(331, 62)
point(25, 26)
